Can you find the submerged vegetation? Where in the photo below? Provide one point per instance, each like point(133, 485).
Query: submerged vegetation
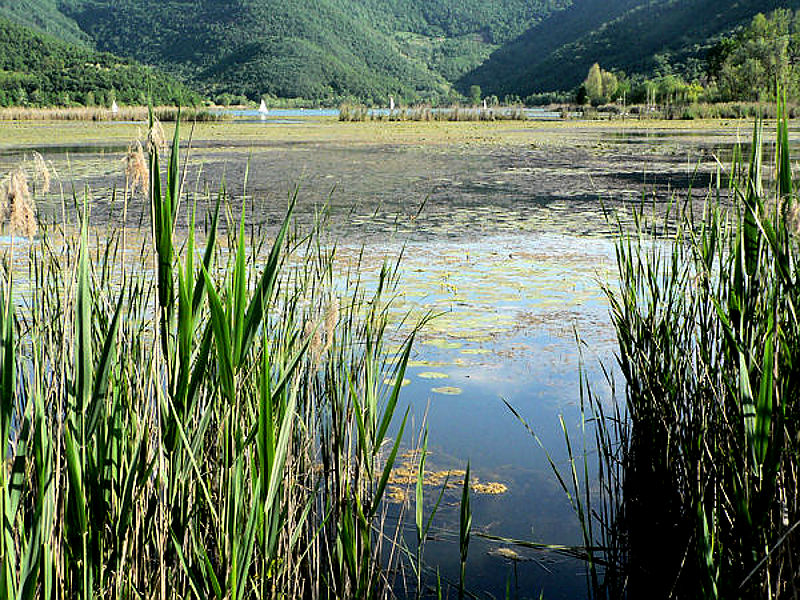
point(212, 426)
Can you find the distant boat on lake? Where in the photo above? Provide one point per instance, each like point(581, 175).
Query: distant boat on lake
point(263, 108)
point(391, 102)
point(484, 104)
point(114, 108)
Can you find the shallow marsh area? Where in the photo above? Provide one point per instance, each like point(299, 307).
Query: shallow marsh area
point(504, 239)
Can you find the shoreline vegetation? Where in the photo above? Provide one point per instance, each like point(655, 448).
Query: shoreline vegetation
point(215, 427)
point(699, 449)
point(350, 113)
point(99, 113)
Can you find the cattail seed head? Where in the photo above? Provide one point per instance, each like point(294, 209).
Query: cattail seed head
point(793, 218)
point(315, 345)
point(331, 319)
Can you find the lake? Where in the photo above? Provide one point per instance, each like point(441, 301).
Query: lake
point(505, 241)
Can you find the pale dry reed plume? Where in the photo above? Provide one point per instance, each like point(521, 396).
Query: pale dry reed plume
point(156, 138)
point(331, 319)
point(42, 172)
point(136, 171)
point(311, 330)
point(17, 205)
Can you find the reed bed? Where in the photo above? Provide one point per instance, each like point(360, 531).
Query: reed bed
point(207, 421)
point(696, 486)
point(99, 113)
point(357, 113)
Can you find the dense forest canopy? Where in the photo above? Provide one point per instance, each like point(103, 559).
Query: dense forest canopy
point(433, 51)
point(642, 39)
point(36, 69)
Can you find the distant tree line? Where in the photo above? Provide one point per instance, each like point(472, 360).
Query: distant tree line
point(748, 66)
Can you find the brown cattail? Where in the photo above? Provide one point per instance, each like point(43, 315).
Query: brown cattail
point(136, 171)
point(42, 172)
point(793, 218)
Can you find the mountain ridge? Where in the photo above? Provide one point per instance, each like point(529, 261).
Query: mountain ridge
point(415, 50)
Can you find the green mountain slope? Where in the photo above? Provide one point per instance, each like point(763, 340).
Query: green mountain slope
point(44, 16)
point(41, 70)
point(311, 48)
point(635, 36)
point(330, 50)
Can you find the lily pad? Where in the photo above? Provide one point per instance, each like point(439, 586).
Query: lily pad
point(390, 382)
point(433, 375)
point(447, 390)
point(444, 344)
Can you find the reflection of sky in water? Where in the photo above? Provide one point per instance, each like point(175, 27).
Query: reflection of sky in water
point(507, 250)
point(508, 307)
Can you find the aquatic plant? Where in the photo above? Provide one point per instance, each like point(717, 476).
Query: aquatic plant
point(137, 173)
point(351, 113)
point(99, 113)
point(165, 429)
point(696, 489)
point(17, 208)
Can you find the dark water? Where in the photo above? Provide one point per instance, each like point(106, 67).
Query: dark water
point(509, 246)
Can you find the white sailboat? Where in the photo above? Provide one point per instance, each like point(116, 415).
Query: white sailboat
point(114, 108)
point(484, 104)
point(391, 103)
point(263, 110)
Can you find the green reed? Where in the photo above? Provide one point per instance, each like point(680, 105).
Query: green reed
point(360, 112)
point(696, 489)
point(195, 420)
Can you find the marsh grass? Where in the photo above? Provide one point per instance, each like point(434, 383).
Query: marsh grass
point(357, 113)
point(167, 429)
point(100, 113)
point(695, 489)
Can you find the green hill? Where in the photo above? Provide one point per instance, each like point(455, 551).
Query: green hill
point(41, 70)
point(330, 50)
point(313, 49)
point(634, 36)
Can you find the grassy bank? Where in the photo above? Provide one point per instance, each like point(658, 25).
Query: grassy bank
point(183, 421)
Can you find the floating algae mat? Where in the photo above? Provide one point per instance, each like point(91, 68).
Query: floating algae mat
point(403, 479)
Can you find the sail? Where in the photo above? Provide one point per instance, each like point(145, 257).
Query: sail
point(263, 108)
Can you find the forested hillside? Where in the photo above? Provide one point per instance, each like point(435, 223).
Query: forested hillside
point(45, 16)
point(366, 50)
point(320, 49)
point(633, 36)
point(40, 70)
